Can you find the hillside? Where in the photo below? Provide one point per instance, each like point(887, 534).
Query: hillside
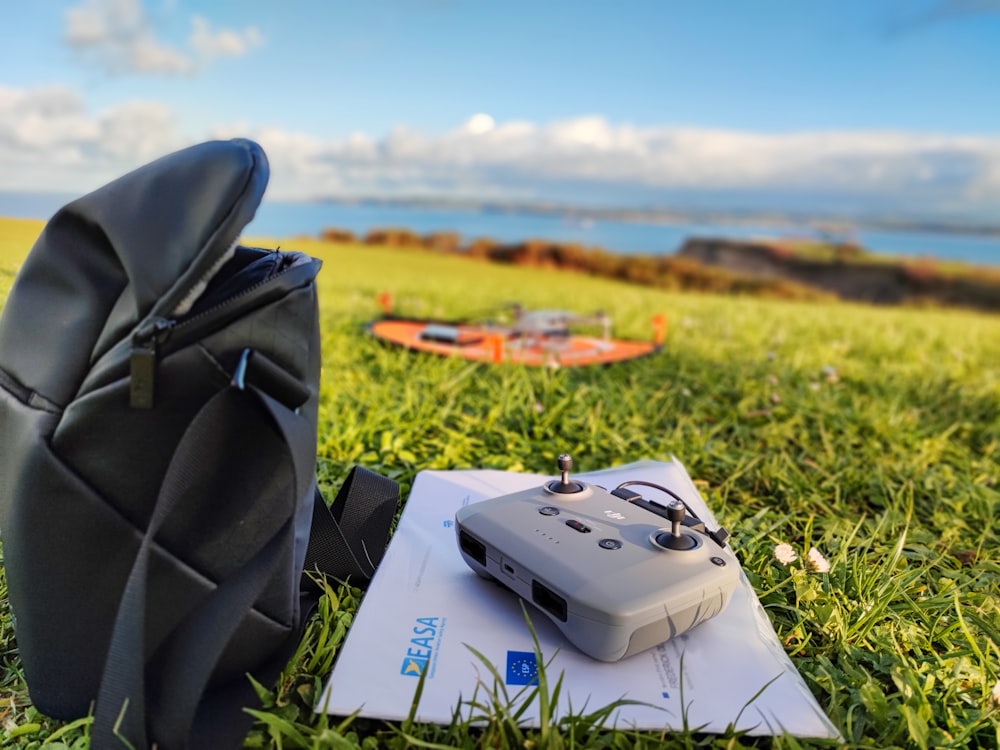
point(786, 269)
point(851, 273)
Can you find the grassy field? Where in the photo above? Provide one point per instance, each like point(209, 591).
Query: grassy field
point(870, 434)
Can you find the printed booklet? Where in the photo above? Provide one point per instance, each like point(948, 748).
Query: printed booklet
point(427, 610)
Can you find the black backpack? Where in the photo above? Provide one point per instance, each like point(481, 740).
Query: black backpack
point(158, 502)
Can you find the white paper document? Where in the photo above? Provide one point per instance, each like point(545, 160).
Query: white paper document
point(425, 607)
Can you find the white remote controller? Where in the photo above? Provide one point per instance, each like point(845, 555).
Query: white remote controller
point(617, 573)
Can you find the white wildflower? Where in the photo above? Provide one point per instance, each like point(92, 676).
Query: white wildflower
point(995, 695)
point(817, 562)
point(784, 554)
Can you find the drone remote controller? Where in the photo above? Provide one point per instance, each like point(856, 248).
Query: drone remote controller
point(617, 573)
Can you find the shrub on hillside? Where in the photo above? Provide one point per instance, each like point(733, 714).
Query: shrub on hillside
point(844, 252)
point(333, 234)
point(920, 272)
point(443, 242)
point(663, 272)
point(393, 237)
point(481, 247)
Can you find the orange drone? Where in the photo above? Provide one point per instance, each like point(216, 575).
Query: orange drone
point(537, 338)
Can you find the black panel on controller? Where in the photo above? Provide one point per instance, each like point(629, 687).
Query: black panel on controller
point(549, 600)
point(472, 547)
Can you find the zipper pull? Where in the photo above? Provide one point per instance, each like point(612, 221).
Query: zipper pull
point(142, 361)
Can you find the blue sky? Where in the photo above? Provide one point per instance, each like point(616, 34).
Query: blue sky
point(849, 107)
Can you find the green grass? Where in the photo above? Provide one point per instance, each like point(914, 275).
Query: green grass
point(922, 266)
point(871, 434)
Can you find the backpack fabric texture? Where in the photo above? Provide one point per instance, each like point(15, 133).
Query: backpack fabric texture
point(158, 506)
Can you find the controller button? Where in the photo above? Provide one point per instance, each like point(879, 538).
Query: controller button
point(609, 544)
point(548, 510)
point(582, 528)
point(718, 561)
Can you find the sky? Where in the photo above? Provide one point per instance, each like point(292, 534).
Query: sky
point(854, 107)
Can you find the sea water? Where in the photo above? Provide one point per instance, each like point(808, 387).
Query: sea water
point(283, 219)
point(630, 237)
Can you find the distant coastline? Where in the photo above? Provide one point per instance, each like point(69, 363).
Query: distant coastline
point(43, 205)
point(644, 230)
point(831, 224)
point(777, 269)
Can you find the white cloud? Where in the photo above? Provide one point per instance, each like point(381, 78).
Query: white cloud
point(137, 132)
point(479, 123)
point(209, 44)
point(117, 35)
point(920, 173)
point(49, 140)
point(120, 37)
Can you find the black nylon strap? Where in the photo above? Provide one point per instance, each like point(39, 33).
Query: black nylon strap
point(346, 542)
point(198, 641)
point(349, 538)
point(194, 648)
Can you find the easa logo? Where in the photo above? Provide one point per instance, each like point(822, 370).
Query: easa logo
point(421, 647)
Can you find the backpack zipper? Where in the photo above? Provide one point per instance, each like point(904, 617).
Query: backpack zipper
point(151, 336)
point(142, 360)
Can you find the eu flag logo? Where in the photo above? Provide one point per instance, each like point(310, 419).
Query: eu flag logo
point(413, 667)
point(522, 669)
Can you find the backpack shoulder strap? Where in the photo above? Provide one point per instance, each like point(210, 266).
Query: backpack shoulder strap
point(132, 703)
point(348, 538)
point(347, 541)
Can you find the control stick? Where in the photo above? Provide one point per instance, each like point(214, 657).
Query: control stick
point(563, 485)
point(676, 539)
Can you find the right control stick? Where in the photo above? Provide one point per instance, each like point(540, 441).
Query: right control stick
point(676, 539)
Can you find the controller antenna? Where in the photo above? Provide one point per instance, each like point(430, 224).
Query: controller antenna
point(563, 485)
